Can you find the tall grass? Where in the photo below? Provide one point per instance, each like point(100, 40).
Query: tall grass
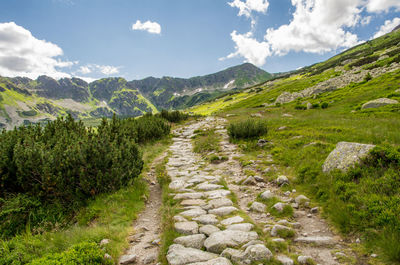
point(247, 129)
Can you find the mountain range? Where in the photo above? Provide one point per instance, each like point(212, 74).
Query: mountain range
point(24, 101)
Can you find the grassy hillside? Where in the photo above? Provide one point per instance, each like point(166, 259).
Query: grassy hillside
point(306, 127)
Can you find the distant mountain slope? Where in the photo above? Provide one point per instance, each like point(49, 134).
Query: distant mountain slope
point(23, 100)
point(170, 92)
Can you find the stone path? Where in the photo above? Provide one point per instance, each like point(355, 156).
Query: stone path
point(215, 230)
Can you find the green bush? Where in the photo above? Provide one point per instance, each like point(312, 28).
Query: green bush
point(324, 105)
point(64, 164)
point(84, 253)
point(174, 116)
point(247, 129)
point(300, 107)
point(315, 106)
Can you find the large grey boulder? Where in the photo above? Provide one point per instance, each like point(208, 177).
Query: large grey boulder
point(180, 255)
point(380, 102)
point(218, 241)
point(345, 155)
point(266, 195)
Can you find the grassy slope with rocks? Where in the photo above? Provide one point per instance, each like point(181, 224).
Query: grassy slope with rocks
point(361, 203)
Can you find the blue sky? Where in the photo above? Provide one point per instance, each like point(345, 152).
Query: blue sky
point(182, 38)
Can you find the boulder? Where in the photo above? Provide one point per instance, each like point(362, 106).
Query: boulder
point(188, 228)
point(246, 227)
point(279, 206)
point(345, 155)
point(232, 220)
point(251, 181)
point(221, 202)
point(284, 260)
point(192, 241)
point(180, 255)
point(207, 219)
point(257, 252)
point(277, 228)
point(281, 180)
point(266, 195)
point(127, 259)
point(258, 207)
point(218, 241)
point(380, 102)
point(301, 199)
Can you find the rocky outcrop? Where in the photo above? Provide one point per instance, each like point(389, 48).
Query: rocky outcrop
point(380, 102)
point(346, 155)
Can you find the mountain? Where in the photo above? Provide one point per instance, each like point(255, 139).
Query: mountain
point(24, 101)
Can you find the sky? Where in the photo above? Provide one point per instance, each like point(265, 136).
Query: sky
point(134, 39)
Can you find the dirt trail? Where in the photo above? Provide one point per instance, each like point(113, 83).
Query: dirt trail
point(144, 243)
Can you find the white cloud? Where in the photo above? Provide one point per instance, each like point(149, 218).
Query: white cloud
point(245, 8)
point(365, 20)
point(150, 27)
point(108, 69)
point(387, 27)
point(318, 26)
point(85, 70)
point(247, 46)
point(377, 6)
point(21, 54)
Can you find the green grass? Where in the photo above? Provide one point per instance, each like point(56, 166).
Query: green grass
point(206, 141)
point(108, 216)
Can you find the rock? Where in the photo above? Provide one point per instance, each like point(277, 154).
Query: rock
point(252, 242)
point(287, 114)
point(282, 128)
point(279, 206)
point(193, 212)
point(222, 211)
point(281, 180)
point(256, 115)
point(215, 194)
point(301, 199)
point(188, 228)
point(246, 227)
point(178, 218)
point(192, 241)
point(316, 240)
point(257, 252)
point(284, 260)
point(221, 202)
point(358, 241)
point(314, 210)
point(177, 184)
point(286, 193)
point(258, 207)
point(196, 202)
point(295, 205)
point(262, 142)
point(307, 260)
point(180, 255)
point(232, 220)
point(373, 255)
point(207, 219)
point(346, 155)
point(107, 256)
point(380, 102)
point(208, 186)
point(278, 240)
point(218, 241)
point(266, 195)
point(189, 195)
point(277, 228)
point(284, 222)
point(233, 254)
point(127, 259)
point(208, 229)
point(151, 258)
point(104, 242)
point(258, 178)
point(217, 261)
point(309, 105)
point(250, 181)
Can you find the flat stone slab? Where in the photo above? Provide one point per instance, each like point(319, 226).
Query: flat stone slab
point(206, 219)
point(127, 259)
point(217, 261)
point(232, 220)
point(193, 212)
point(208, 229)
point(195, 202)
point(317, 240)
point(220, 202)
point(189, 195)
point(192, 241)
point(180, 255)
point(215, 194)
point(246, 227)
point(208, 186)
point(188, 228)
point(222, 211)
point(218, 241)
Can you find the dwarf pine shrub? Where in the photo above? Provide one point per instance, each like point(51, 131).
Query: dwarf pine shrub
point(247, 129)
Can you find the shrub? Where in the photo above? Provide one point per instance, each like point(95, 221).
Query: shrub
point(324, 105)
point(247, 129)
point(367, 77)
point(315, 106)
point(300, 107)
point(174, 116)
point(84, 253)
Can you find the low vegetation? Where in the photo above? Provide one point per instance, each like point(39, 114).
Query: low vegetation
point(247, 129)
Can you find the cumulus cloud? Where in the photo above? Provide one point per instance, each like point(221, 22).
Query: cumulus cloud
point(21, 54)
point(387, 27)
point(96, 68)
point(85, 70)
point(108, 69)
point(318, 26)
point(377, 6)
point(247, 46)
point(246, 8)
point(150, 27)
